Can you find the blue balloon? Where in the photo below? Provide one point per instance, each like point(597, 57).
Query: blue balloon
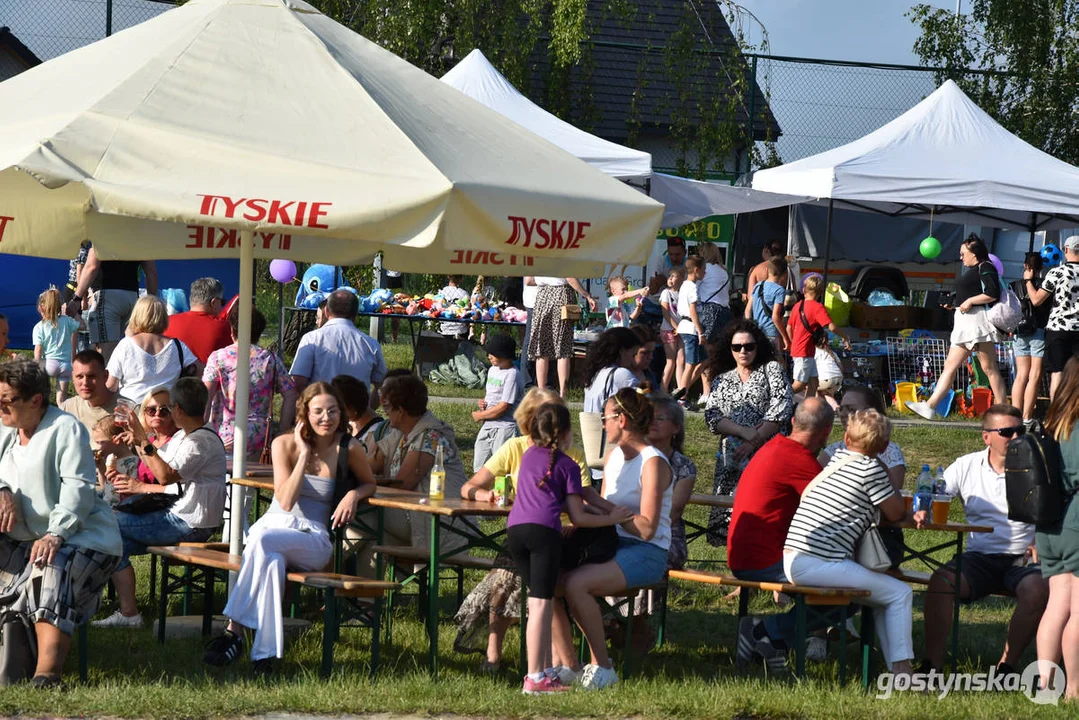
point(1052, 256)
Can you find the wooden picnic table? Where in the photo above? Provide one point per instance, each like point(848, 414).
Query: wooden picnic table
point(253, 469)
point(909, 553)
point(442, 514)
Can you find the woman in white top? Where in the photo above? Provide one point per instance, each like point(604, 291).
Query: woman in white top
point(145, 359)
point(838, 508)
point(636, 476)
point(550, 336)
point(320, 477)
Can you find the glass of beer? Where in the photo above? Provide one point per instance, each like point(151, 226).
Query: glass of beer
point(941, 505)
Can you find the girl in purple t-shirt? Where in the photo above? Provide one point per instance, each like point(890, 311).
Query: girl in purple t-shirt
point(548, 482)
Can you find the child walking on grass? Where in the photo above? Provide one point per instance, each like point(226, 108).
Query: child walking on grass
point(548, 483)
point(54, 340)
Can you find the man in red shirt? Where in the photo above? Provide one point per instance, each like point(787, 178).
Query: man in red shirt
point(807, 317)
point(769, 491)
point(201, 328)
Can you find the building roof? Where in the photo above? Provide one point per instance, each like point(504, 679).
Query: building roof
point(628, 57)
point(16, 46)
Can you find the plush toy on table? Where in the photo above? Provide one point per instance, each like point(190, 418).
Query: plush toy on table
point(317, 284)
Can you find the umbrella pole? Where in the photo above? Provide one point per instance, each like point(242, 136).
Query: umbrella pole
point(828, 242)
point(243, 390)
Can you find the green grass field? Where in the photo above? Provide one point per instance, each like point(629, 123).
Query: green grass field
point(691, 676)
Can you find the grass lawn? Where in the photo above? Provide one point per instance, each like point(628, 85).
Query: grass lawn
point(692, 676)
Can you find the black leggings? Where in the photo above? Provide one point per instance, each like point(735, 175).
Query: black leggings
point(537, 552)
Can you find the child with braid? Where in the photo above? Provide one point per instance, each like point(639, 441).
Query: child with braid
point(548, 482)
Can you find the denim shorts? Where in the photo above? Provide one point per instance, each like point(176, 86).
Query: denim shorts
point(642, 563)
point(695, 352)
point(1032, 345)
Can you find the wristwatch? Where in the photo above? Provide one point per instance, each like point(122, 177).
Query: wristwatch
point(149, 450)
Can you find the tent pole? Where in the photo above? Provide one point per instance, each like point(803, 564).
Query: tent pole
point(1033, 229)
point(243, 390)
point(828, 241)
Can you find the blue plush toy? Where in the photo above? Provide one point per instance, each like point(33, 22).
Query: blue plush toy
point(317, 284)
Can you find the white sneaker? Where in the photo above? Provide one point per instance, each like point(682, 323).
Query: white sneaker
point(921, 409)
point(596, 677)
point(817, 649)
point(119, 620)
point(567, 675)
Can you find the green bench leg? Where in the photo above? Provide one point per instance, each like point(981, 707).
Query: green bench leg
point(662, 619)
point(84, 652)
point(376, 630)
point(867, 631)
point(163, 600)
point(843, 647)
point(209, 576)
point(800, 626)
point(329, 631)
point(630, 606)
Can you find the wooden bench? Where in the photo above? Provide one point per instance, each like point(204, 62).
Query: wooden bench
point(415, 555)
point(804, 595)
point(333, 585)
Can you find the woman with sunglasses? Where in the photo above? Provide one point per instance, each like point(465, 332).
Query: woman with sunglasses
point(636, 476)
point(750, 401)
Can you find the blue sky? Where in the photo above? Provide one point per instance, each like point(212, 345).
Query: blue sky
point(861, 30)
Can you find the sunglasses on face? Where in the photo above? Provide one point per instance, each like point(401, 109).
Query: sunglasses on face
point(8, 402)
point(612, 416)
point(1007, 432)
point(158, 411)
point(748, 347)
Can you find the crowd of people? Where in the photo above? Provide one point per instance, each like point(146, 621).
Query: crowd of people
point(137, 457)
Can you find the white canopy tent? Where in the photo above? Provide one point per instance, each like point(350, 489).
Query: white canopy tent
point(944, 156)
point(261, 128)
point(476, 77)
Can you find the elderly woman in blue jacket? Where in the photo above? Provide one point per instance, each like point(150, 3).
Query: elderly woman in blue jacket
point(59, 541)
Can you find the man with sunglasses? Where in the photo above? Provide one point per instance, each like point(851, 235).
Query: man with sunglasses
point(1003, 561)
point(93, 401)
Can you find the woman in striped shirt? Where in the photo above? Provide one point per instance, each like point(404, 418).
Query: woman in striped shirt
point(835, 511)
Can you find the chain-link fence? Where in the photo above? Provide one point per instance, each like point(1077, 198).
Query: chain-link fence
point(819, 104)
point(53, 27)
point(822, 104)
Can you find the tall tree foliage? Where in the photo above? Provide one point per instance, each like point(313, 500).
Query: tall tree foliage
point(434, 34)
point(1030, 49)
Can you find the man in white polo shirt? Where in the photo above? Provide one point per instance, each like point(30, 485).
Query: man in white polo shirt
point(1002, 561)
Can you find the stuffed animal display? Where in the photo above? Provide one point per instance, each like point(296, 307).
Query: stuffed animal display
point(317, 284)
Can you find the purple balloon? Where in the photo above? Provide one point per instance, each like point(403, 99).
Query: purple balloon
point(283, 271)
point(997, 264)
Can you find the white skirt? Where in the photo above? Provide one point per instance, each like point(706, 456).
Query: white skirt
point(973, 327)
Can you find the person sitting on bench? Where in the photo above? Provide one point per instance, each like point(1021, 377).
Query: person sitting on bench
point(1002, 561)
point(768, 495)
point(320, 477)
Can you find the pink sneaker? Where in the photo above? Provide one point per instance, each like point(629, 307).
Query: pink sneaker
point(547, 686)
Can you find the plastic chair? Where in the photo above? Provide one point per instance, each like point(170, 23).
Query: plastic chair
point(905, 391)
point(944, 407)
point(981, 399)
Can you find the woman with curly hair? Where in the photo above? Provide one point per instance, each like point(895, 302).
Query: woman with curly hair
point(750, 401)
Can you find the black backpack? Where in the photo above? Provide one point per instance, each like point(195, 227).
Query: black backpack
point(1035, 317)
point(1032, 479)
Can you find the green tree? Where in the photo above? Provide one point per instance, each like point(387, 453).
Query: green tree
point(1027, 57)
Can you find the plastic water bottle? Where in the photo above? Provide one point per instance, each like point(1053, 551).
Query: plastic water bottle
point(437, 484)
point(923, 496)
point(939, 485)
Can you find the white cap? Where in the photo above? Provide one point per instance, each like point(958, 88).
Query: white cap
point(1072, 243)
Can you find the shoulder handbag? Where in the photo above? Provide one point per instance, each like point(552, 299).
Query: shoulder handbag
point(870, 551)
point(185, 370)
point(593, 436)
point(819, 335)
point(18, 648)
